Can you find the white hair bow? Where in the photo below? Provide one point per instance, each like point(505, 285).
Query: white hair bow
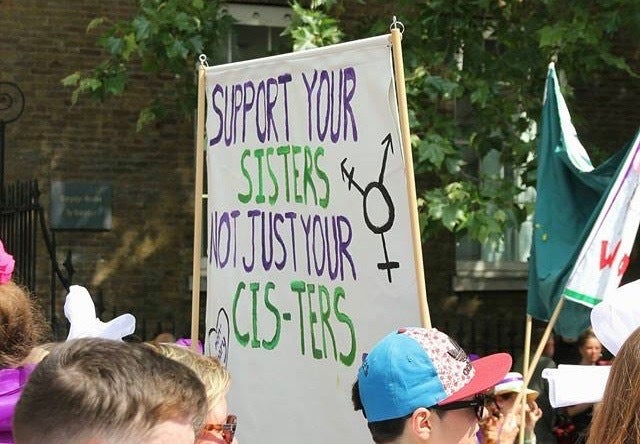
point(81, 313)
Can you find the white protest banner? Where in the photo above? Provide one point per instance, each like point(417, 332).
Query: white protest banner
point(310, 253)
point(605, 255)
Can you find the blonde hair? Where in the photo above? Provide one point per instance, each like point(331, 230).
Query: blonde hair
point(210, 370)
point(22, 324)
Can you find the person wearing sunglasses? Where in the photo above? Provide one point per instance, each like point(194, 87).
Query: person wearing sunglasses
point(99, 391)
point(220, 426)
point(498, 426)
point(418, 386)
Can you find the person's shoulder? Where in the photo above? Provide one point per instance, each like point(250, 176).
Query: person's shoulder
point(13, 379)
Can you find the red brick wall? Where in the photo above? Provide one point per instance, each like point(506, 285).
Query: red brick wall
point(144, 262)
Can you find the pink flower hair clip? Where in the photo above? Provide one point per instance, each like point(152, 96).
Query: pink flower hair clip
point(7, 264)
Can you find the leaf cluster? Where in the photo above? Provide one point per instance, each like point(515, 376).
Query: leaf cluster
point(475, 73)
point(313, 27)
point(163, 40)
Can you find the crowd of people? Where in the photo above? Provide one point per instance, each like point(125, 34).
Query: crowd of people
point(102, 391)
point(416, 385)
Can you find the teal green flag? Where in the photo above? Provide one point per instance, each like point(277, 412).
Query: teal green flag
point(570, 194)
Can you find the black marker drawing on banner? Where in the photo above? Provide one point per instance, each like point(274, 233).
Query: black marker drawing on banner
point(384, 193)
point(219, 337)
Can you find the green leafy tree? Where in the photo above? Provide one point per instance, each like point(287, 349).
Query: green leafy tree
point(475, 72)
point(164, 38)
point(313, 27)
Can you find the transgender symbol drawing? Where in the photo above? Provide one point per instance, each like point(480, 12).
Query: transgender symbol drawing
point(377, 187)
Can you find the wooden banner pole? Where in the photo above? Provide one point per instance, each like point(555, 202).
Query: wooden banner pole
point(197, 205)
point(405, 133)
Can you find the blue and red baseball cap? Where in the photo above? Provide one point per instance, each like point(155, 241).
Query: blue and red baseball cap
point(422, 367)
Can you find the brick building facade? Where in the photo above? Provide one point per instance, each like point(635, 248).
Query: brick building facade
point(143, 263)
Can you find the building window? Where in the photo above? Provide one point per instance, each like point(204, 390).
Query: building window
point(257, 31)
point(490, 266)
point(495, 267)
point(517, 241)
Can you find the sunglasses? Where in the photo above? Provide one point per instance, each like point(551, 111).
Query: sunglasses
point(477, 403)
point(228, 429)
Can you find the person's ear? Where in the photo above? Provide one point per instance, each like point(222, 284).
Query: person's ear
point(421, 422)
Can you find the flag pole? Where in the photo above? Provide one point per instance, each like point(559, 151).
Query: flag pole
point(197, 204)
point(405, 134)
point(543, 341)
point(525, 371)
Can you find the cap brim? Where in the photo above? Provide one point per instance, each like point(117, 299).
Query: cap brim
point(488, 372)
point(532, 395)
